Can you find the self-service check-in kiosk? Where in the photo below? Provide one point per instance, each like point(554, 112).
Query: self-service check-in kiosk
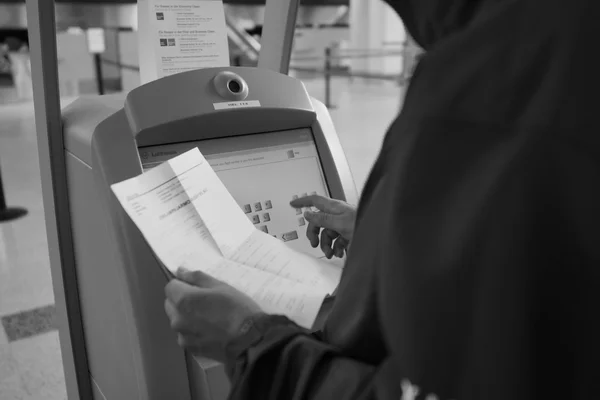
point(267, 140)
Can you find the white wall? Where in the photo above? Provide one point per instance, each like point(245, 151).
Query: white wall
point(75, 64)
point(128, 54)
point(375, 26)
point(393, 37)
point(111, 72)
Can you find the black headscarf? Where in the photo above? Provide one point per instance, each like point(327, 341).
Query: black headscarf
point(490, 272)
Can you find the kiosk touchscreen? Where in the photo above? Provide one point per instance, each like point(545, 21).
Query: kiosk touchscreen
point(267, 140)
point(263, 172)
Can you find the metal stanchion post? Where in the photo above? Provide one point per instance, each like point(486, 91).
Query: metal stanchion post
point(327, 74)
point(99, 75)
point(96, 41)
point(8, 213)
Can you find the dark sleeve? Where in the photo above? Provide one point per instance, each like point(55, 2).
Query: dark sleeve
point(488, 279)
point(276, 359)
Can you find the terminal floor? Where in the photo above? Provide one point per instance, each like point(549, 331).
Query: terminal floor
point(30, 359)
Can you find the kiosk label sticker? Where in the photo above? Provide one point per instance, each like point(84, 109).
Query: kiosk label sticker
point(236, 104)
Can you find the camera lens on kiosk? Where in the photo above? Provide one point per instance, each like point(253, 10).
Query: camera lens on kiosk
point(234, 86)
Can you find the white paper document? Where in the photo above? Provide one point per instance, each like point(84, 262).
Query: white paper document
point(181, 35)
point(190, 220)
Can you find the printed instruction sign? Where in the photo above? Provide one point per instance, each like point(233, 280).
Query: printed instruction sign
point(181, 35)
point(96, 40)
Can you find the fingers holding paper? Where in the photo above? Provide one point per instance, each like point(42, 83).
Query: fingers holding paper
point(206, 313)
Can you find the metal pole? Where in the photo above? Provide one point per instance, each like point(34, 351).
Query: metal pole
point(278, 35)
point(237, 61)
point(327, 74)
point(99, 77)
point(44, 71)
point(2, 198)
point(8, 213)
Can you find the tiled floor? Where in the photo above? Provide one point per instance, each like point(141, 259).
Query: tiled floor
point(30, 360)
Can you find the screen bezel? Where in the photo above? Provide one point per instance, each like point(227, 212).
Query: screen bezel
point(321, 164)
point(215, 125)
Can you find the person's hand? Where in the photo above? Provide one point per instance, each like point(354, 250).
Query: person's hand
point(206, 313)
point(334, 221)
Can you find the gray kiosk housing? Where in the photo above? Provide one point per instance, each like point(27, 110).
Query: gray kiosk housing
point(132, 352)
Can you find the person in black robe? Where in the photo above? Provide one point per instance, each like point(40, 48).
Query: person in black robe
point(474, 265)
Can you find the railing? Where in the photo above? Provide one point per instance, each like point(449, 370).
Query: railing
point(329, 70)
point(120, 65)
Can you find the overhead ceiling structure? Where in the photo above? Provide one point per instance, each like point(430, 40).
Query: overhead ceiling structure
point(122, 13)
point(247, 2)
